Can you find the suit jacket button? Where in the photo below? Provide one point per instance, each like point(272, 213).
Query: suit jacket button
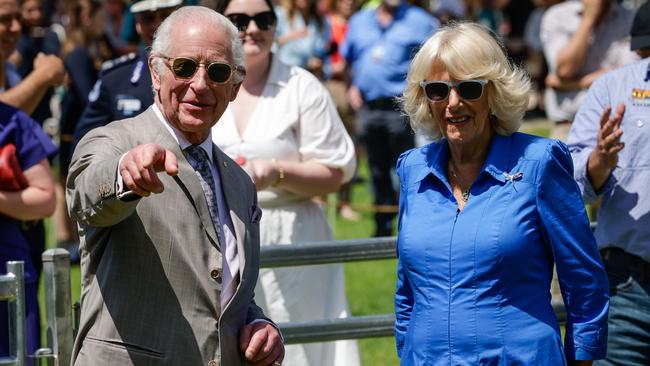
point(216, 275)
point(213, 363)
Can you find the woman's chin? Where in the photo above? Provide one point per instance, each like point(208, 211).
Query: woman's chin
point(254, 50)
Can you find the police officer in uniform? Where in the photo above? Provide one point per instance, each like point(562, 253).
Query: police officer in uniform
point(124, 86)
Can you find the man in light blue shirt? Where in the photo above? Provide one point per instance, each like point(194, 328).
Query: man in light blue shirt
point(609, 142)
point(378, 48)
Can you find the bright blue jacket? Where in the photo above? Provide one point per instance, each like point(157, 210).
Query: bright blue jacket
point(473, 286)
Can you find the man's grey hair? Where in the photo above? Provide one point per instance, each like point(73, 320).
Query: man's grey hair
point(197, 14)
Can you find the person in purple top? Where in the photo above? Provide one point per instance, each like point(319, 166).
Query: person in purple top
point(21, 230)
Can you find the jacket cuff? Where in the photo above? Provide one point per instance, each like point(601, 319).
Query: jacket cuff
point(585, 341)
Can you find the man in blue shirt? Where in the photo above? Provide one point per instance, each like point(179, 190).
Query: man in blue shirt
point(378, 48)
point(609, 144)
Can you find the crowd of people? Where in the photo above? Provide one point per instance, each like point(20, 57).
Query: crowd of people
point(170, 139)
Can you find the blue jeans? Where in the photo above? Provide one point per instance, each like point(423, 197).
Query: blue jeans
point(629, 313)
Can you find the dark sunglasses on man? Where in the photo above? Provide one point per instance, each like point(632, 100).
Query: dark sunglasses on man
point(264, 20)
point(184, 68)
point(438, 90)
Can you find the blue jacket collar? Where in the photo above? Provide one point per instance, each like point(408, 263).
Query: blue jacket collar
point(496, 162)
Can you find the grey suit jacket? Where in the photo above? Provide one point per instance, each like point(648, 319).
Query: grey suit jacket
point(151, 268)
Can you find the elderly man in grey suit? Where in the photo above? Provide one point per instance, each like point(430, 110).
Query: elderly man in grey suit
point(168, 223)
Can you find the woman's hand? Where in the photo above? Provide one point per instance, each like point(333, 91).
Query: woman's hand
point(305, 178)
point(263, 172)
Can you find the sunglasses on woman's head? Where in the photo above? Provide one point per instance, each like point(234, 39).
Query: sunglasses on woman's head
point(438, 90)
point(184, 68)
point(264, 20)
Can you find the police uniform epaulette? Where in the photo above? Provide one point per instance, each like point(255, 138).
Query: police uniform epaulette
point(110, 64)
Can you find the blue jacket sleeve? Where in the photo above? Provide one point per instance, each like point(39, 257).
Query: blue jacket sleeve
point(583, 281)
point(403, 293)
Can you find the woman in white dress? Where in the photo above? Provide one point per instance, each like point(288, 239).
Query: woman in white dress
point(284, 130)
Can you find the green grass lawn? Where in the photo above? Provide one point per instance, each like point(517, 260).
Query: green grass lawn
point(370, 285)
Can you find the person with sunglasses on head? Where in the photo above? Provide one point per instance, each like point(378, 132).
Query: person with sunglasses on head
point(168, 224)
point(485, 212)
point(283, 129)
point(123, 88)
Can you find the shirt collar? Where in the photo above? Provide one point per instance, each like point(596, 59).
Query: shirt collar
point(496, 162)
point(277, 74)
point(178, 136)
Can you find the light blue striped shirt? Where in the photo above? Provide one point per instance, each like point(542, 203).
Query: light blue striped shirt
point(624, 215)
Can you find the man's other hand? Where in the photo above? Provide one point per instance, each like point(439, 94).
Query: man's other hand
point(261, 344)
point(140, 166)
point(355, 99)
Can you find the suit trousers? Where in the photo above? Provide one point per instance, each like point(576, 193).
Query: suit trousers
point(385, 133)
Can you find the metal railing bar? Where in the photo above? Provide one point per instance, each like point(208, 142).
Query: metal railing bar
point(279, 255)
point(337, 329)
point(355, 327)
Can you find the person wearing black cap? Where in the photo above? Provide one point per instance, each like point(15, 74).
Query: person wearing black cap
point(609, 144)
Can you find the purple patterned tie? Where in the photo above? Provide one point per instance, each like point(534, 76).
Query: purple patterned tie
point(201, 163)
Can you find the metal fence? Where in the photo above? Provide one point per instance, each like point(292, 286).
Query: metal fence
point(60, 322)
point(58, 311)
point(336, 252)
point(12, 289)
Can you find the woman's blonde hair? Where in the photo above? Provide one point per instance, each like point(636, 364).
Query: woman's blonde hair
point(467, 51)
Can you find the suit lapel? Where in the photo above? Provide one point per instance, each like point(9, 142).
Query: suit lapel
point(230, 184)
point(186, 178)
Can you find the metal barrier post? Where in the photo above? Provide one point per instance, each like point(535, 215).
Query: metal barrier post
point(58, 305)
point(12, 289)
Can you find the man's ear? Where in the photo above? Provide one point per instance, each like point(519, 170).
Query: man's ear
point(234, 91)
point(155, 78)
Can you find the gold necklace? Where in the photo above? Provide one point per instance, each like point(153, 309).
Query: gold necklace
point(464, 193)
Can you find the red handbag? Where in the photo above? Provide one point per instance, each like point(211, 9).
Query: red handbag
point(11, 174)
